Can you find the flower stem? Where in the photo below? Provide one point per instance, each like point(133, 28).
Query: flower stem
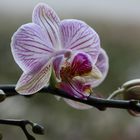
point(115, 93)
point(22, 124)
point(99, 103)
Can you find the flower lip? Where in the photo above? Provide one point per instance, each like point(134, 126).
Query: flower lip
point(77, 66)
point(76, 88)
point(80, 65)
point(73, 75)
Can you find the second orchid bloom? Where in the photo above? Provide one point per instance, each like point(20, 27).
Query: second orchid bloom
point(70, 49)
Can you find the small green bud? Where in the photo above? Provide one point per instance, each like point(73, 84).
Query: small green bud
point(38, 129)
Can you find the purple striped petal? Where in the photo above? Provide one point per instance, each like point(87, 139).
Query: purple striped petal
point(103, 65)
point(75, 88)
point(45, 17)
point(78, 36)
point(30, 83)
point(30, 47)
point(77, 105)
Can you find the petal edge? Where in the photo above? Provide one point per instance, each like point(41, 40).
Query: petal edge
point(30, 83)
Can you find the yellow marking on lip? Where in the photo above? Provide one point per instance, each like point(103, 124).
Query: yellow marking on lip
point(88, 90)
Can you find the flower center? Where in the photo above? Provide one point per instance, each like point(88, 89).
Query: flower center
point(65, 72)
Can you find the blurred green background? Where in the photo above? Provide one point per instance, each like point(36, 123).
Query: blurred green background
point(118, 25)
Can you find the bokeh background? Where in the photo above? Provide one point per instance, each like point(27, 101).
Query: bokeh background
point(118, 24)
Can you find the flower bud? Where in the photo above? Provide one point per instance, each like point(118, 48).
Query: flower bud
point(38, 129)
point(2, 95)
point(131, 83)
point(132, 92)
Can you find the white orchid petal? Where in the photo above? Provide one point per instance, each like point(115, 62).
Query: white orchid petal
point(30, 47)
point(30, 83)
point(45, 16)
point(78, 36)
point(103, 65)
point(95, 73)
point(77, 105)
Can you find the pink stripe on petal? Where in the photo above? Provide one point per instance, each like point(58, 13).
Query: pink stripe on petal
point(30, 47)
point(45, 17)
point(74, 88)
point(30, 83)
point(71, 90)
point(77, 35)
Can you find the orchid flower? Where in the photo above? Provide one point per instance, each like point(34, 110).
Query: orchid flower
point(69, 48)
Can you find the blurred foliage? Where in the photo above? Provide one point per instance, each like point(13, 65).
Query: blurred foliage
point(122, 43)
